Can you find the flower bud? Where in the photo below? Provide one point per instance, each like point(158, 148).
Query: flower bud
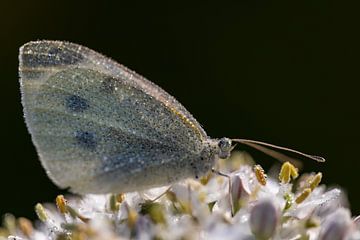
point(336, 226)
point(264, 218)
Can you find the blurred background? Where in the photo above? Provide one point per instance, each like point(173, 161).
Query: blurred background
point(284, 72)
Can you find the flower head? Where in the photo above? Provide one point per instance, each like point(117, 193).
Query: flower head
point(238, 201)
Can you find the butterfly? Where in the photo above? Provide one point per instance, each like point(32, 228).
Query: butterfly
point(99, 127)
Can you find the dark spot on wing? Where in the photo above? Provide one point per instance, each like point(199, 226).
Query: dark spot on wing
point(85, 140)
point(75, 103)
point(43, 55)
point(108, 85)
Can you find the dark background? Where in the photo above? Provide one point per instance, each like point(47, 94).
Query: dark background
point(284, 72)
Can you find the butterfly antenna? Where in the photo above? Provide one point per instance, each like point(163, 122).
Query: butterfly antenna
point(263, 147)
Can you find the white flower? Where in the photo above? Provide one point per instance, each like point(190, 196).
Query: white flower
point(241, 204)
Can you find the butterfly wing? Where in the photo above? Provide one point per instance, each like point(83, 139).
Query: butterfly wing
point(97, 126)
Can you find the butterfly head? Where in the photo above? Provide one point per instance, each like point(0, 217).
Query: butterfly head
point(225, 147)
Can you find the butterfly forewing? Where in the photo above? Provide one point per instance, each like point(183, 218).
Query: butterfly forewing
point(97, 126)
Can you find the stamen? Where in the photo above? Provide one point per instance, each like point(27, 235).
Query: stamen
point(288, 172)
point(61, 204)
point(25, 226)
point(303, 195)
point(41, 212)
point(315, 181)
point(120, 197)
point(9, 223)
point(132, 216)
point(260, 174)
point(115, 201)
point(74, 214)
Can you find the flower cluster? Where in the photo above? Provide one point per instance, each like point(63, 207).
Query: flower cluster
point(236, 201)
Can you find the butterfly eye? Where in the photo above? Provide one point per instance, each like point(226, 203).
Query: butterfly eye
point(224, 144)
point(225, 147)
